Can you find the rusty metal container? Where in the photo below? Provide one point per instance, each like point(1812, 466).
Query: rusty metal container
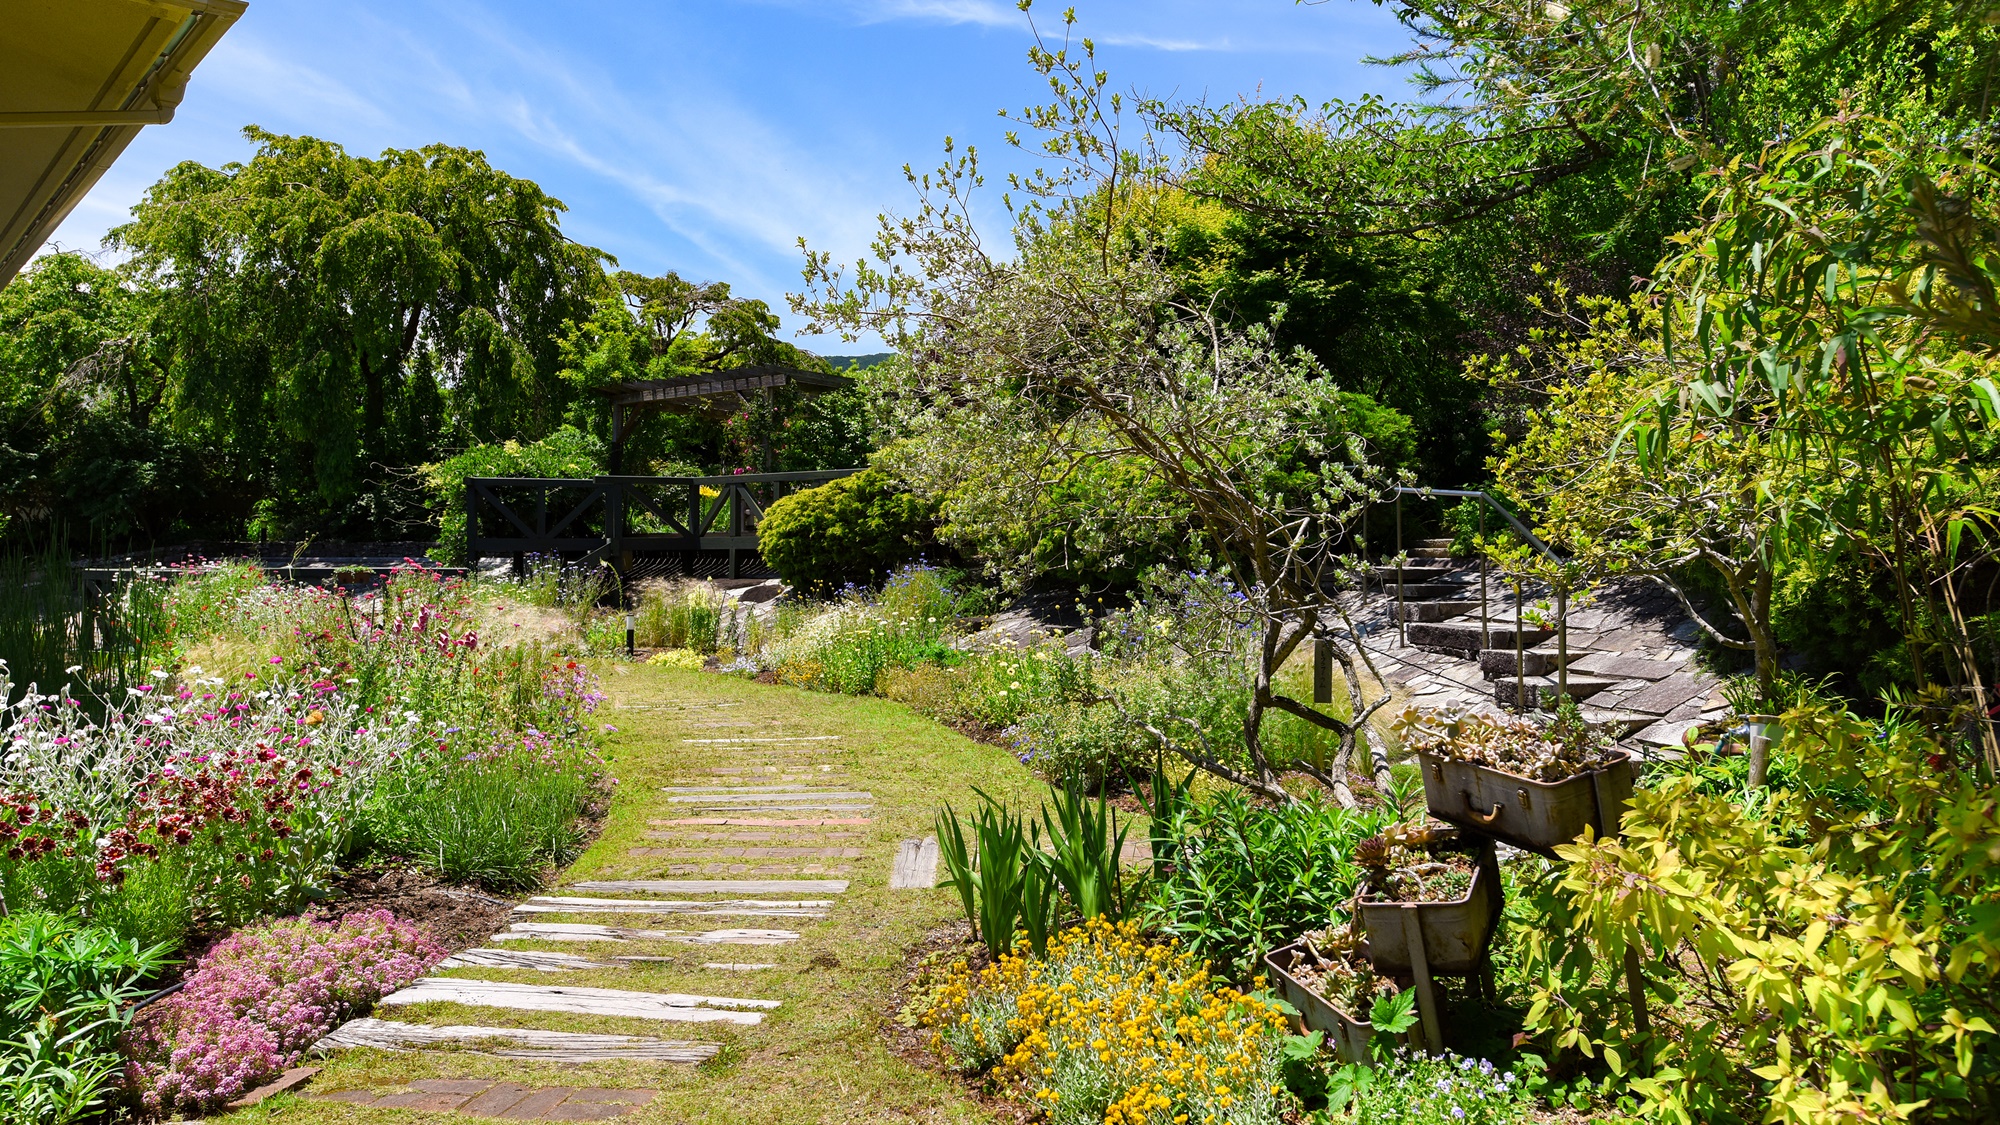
point(1453, 935)
point(1536, 816)
point(1348, 1035)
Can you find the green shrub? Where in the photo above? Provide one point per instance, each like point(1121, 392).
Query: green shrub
point(851, 647)
point(1823, 953)
point(1074, 743)
point(568, 452)
point(680, 615)
point(1237, 880)
point(65, 998)
point(500, 819)
point(854, 530)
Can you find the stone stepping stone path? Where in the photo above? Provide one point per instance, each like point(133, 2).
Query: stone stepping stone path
point(750, 908)
point(749, 829)
point(678, 1007)
point(585, 931)
point(536, 959)
point(716, 886)
point(915, 867)
point(514, 1042)
point(504, 1100)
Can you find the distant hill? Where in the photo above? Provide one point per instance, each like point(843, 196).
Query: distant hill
point(856, 362)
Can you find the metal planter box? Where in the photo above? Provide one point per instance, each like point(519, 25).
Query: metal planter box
point(1453, 935)
point(1537, 816)
point(1348, 1035)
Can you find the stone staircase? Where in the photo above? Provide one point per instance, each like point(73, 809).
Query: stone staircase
point(1627, 658)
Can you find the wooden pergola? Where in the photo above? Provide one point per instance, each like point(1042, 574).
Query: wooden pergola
point(716, 393)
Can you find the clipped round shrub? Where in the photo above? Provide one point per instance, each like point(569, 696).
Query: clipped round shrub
point(855, 530)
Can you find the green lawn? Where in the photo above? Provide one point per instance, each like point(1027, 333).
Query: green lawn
point(821, 1056)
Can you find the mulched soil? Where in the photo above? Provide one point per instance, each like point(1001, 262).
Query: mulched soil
point(937, 949)
point(460, 917)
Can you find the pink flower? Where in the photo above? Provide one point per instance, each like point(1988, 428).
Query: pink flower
point(261, 998)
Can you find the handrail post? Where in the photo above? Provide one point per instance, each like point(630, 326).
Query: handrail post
point(1520, 657)
point(1402, 625)
point(1562, 639)
point(472, 521)
point(1485, 630)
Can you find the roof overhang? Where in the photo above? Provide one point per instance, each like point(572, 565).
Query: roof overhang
point(78, 80)
point(667, 393)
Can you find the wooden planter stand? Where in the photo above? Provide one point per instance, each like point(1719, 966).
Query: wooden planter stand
point(1420, 940)
point(1536, 816)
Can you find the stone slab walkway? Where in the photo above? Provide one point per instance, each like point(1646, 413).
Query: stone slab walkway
point(773, 969)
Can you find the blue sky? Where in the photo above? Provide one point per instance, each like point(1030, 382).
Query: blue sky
point(706, 136)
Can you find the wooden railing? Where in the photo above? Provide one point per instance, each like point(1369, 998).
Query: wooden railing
point(617, 517)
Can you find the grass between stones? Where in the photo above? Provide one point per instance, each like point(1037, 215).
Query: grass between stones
point(820, 1056)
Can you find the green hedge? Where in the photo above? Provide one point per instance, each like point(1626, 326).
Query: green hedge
point(856, 529)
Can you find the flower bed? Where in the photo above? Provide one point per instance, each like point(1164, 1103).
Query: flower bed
point(260, 998)
point(1108, 1028)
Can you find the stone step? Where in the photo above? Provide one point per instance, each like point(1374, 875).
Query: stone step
point(1615, 722)
point(915, 865)
point(739, 908)
point(585, 931)
point(677, 1007)
point(1545, 691)
point(1411, 612)
point(1440, 552)
point(540, 961)
point(1432, 591)
point(823, 796)
point(1463, 640)
point(747, 836)
point(759, 809)
point(784, 738)
point(1434, 542)
point(1422, 572)
point(715, 886)
point(812, 790)
point(520, 1042)
point(696, 852)
point(1498, 663)
point(762, 821)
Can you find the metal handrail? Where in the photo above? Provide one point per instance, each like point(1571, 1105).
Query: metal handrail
point(1485, 631)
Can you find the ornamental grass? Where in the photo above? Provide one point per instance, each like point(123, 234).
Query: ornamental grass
point(1110, 1028)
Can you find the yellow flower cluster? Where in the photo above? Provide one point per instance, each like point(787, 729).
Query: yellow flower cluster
point(1109, 1028)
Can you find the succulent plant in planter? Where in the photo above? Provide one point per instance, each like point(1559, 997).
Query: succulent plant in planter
point(1330, 963)
point(1521, 747)
point(1328, 979)
point(1401, 866)
point(1532, 786)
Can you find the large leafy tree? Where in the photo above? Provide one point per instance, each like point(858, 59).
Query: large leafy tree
point(1077, 351)
point(666, 327)
point(332, 312)
point(83, 378)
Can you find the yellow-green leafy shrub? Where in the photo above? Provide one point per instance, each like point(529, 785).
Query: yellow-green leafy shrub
point(1822, 954)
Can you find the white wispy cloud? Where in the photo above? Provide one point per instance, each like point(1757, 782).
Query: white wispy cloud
point(985, 13)
point(244, 68)
point(735, 185)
